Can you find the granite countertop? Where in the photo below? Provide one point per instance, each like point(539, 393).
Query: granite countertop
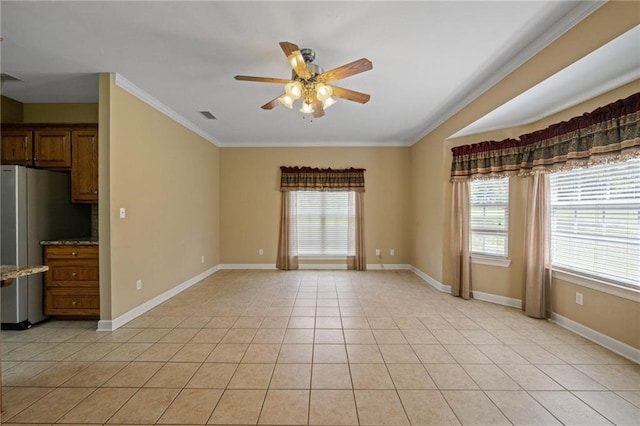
point(88, 241)
point(9, 272)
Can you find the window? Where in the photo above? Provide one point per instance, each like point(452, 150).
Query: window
point(325, 223)
point(490, 217)
point(595, 222)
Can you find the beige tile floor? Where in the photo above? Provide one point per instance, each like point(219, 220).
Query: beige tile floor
point(316, 347)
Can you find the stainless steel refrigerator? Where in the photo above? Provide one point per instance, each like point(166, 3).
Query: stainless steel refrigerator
point(35, 205)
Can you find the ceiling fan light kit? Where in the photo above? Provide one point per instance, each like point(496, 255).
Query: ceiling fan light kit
point(309, 82)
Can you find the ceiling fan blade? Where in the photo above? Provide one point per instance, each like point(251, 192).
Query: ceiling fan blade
point(350, 95)
point(347, 70)
point(292, 52)
point(261, 79)
point(318, 109)
point(288, 48)
point(271, 104)
point(299, 66)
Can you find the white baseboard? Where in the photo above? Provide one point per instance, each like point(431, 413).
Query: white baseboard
point(430, 280)
point(110, 325)
point(319, 266)
point(610, 343)
point(499, 300)
point(388, 267)
point(247, 266)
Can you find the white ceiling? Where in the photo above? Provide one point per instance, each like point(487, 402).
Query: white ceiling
point(429, 59)
point(589, 77)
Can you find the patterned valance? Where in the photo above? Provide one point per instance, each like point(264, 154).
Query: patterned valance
point(607, 134)
point(314, 179)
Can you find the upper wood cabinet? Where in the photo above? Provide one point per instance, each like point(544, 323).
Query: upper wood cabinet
point(56, 146)
point(52, 148)
point(16, 147)
point(40, 145)
point(84, 170)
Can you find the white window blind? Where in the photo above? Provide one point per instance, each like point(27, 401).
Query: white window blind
point(490, 217)
point(595, 222)
point(323, 223)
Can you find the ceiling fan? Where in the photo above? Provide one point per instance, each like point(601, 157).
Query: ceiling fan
point(310, 82)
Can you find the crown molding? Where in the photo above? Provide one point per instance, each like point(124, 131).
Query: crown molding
point(332, 144)
point(134, 90)
point(517, 55)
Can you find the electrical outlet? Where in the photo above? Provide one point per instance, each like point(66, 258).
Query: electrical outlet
point(579, 299)
point(201, 259)
point(260, 252)
point(392, 252)
point(138, 284)
point(377, 252)
point(123, 213)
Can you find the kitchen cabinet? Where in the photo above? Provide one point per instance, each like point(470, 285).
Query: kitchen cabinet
point(84, 170)
point(52, 148)
point(17, 147)
point(72, 283)
point(43, 145)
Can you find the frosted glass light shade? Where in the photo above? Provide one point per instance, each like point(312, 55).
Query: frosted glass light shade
point(293, 89)
point(328, 102)
point(306, 108)
point(286, 100)
point(323, 92)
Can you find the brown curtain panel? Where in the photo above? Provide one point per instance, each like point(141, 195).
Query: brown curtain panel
point(359, 260)
point(287, 258)
point(459, 248)
point(536, 248)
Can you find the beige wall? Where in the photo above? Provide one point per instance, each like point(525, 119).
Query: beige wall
point(508, 282)
point(167, 178)
point(250, 198)
point(17, 112)
point(611, 315)
point(12, 111)
point(105, 86)
point(431, 178)
point(60, 113)
point(430, 161)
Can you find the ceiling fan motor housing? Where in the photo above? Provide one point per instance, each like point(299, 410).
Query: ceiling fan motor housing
point(315, 70)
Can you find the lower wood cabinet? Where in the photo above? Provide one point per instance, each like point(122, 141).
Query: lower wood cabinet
point(72, 283)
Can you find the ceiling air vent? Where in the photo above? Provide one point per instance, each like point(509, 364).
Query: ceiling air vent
point(8, 77)
point(208, 115)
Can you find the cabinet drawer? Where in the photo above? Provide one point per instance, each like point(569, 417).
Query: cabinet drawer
point(73, 302)
point(71, 252)
point(75, 274)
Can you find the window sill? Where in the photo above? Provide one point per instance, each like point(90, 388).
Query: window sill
point(501, 262)
point(594, 284)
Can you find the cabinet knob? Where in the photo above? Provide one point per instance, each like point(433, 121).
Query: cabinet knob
point(95, 192)
point(73, 253)
point(74, 303)
point(73, 274)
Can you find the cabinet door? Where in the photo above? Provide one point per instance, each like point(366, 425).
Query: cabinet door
point(84, 173)
point(52, 148)
point(17, 147)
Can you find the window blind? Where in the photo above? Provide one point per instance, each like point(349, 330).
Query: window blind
point(595, 222)
point(490, 217)
point(323, 223)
